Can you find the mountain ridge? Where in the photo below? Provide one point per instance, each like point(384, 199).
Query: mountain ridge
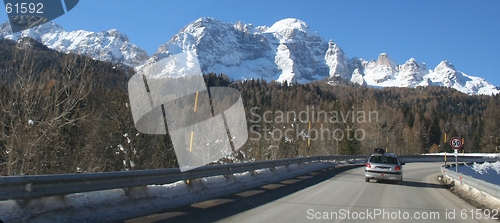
point(289, 50)
point(111, 46)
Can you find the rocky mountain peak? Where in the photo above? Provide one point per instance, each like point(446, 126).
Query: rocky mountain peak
point(445, 65)
point(336, 61)
point(445, 72)
point(385, 60)
point(291, 29)
point(117, 34)
point(246, 28)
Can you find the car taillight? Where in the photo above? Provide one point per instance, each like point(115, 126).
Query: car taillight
point(397, 168)
point(368, 165)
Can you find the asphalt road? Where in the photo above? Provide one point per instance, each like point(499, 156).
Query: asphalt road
point(336, 195)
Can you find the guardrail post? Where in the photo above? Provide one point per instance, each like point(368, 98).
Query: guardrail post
point(24, 202)
point(273, 168)
point(287, 165)
point(230, 174)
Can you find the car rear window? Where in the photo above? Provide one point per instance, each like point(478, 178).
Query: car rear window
point(384, 159)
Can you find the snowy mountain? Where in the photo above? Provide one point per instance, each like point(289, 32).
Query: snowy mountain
point(290, 51)
point(111, 46)
point(286, 51)
point(387, 73)
point(446, 75)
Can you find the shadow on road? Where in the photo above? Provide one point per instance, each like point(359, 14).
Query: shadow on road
point(414, 184)
point(240, 204)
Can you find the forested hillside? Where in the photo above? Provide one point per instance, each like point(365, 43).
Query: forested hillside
point(64, 113)
point(403, 120)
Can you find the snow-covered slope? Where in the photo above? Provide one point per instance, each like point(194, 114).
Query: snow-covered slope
point(111, 45)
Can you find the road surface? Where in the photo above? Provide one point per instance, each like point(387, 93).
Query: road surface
point(336, 195)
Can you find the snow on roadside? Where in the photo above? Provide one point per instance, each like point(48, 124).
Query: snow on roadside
point(481, 198)
point(486, 171)
point(486, 167)
point(116, 205)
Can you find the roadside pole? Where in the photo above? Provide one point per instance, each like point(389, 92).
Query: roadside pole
point(445, 158)
point(456, 160)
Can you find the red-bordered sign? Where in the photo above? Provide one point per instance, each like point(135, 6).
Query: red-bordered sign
point(456, 143)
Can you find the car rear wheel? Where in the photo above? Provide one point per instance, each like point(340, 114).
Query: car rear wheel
point(367, 179)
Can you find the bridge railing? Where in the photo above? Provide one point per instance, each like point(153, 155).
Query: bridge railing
point(29, 187)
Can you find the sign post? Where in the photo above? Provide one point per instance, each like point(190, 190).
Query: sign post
point(456, 160)
point(456, 143)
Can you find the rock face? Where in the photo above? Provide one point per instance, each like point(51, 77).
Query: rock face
point(337, 62)
point(287, 51)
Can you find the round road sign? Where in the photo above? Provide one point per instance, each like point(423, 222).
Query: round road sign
point(456, 143)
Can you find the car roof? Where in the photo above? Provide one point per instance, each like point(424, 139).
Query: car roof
point(384, 154)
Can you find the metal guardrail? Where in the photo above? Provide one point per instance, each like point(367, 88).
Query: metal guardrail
point(481, 185)
point(450, 158)
point(29, 187)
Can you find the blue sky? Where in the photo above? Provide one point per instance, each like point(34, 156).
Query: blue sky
point(466, 33)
